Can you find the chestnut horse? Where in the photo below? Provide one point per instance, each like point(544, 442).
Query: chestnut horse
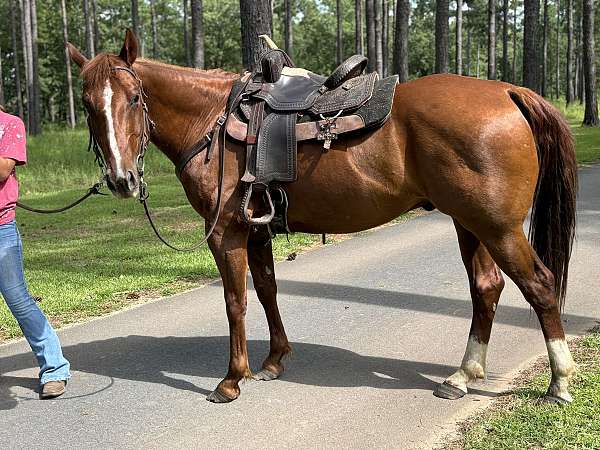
point(482, 152)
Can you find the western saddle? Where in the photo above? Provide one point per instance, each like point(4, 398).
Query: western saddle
point(278, 105)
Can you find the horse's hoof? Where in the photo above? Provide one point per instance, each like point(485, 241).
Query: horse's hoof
point(554, 400)
point(449, 392)
point(217, 396)
point(265, 375)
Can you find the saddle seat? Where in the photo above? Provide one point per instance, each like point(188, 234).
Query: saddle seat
point(280, 105)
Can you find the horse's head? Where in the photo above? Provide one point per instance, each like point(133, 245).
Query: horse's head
point(113, 98)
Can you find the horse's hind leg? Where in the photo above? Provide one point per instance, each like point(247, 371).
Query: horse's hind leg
point(518, 260)
point(260, 260)
point(486, 284)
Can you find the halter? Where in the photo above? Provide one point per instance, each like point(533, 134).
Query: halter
point(149, 125)
point(210, 139)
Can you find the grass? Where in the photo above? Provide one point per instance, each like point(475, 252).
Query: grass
point(102, 256)
point(519, 421)
point(587, 139)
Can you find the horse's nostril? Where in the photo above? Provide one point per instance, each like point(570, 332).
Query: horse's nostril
point(131, 180)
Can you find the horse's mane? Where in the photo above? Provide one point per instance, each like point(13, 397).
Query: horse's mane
point(210, 73)
point(95, 72)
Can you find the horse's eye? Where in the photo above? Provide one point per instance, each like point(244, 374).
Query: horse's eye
point(134, 100)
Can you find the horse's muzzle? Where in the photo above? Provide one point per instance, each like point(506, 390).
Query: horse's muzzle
point(124, 187)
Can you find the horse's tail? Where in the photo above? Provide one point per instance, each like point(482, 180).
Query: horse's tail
point(552, 228)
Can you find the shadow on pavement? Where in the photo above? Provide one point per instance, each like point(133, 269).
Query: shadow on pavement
point(147, 359)
point(522, 317)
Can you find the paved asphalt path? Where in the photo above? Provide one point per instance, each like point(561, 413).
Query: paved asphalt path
point(375, 322)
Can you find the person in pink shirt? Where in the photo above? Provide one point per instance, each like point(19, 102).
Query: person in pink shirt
point(54, 368)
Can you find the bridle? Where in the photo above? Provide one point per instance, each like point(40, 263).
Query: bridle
point(215, 137)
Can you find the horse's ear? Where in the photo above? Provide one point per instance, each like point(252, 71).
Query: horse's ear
point(129, 51)
point(76, 55)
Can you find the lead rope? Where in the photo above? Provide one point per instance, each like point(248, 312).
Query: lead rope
point(94, 190)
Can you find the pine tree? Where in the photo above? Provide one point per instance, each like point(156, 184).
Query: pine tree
point(401, 40)
point(256, 18)
point(441, 36)
point(197, 34)
point(589, 66)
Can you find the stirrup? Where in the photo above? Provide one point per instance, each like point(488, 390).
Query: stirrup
point(246, 204)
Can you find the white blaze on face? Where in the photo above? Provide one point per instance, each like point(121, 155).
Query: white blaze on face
point(112, 139)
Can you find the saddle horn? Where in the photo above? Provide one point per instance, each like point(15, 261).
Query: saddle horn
point(272, 45)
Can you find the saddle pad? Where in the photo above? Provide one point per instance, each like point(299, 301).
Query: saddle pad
point(351, 94)
point(276, 149)
point(290, 93)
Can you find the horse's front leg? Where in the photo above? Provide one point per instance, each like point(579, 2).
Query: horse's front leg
point(229, 248)
point(260, 260)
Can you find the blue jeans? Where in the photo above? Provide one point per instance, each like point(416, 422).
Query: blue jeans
point(38, 332)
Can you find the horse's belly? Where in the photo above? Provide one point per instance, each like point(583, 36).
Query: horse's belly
point(344, 194)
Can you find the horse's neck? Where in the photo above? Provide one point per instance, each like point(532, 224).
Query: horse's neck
point(184, 104)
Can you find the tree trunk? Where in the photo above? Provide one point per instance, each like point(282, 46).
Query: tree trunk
point(478, 56)
point(95, 28)
point(401, 40)
point(154, 29)
point(468, 60)
point(135, 17)
point(13, 37)
point(557, 80)
point(340, 33)
point(378, 38)
point(491, 71)
point(358, 27)
point(590, 117)
point(37, 119)
point(514, 60)
point(581, 78)
point(545, 51)
point(288, 28)
point(371, 40)
point(89, 29)
point(186, 36)
point(26, 32)
point(385, 31)
point(197, 34)
point(441, 36)
point(71, 110)
point(577, 54)
point(25, 39)
point(256, 19)
point(505, 40)
point(570, 90)
point(459, 24)
point(530, 54)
